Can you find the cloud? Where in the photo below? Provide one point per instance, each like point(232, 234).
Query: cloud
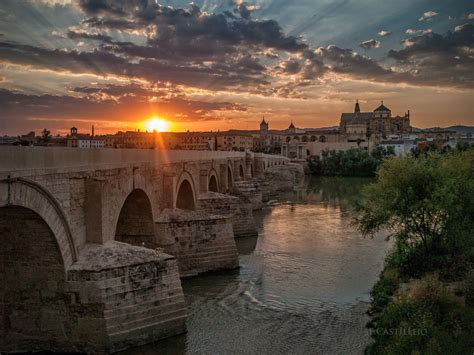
point(471, 16)
point(370, 44)
point(384, 33)
point(244, 9)
point(78, 33)
point(346, 61)
point(440, 60)
point(428, 15)
point(123, 103)
point(410, 31)
point(215, 52)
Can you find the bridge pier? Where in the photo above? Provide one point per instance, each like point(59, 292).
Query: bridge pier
point(233, 207)
point(200, 241)
point(123, 296)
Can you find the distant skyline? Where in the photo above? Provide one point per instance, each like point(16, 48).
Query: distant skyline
point(218, 65)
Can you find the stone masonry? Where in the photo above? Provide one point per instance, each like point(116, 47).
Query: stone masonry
point(79, 271)
point(201, 242)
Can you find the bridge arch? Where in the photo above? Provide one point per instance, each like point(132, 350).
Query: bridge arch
point(135, 222)
point(32, 196)
point(32, 283)
point(185, 192)
point(213, 181)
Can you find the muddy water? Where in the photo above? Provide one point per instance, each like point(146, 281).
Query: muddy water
point(302, 287)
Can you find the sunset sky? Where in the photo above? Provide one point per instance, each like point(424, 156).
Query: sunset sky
point(212, 65)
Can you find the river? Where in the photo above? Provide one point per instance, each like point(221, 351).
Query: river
point(302, 286)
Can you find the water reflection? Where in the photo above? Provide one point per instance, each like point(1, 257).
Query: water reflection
point(303, 284)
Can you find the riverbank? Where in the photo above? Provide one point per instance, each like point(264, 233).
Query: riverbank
point(423, 302)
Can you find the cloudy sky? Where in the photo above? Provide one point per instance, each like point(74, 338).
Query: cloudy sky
point(212, 64)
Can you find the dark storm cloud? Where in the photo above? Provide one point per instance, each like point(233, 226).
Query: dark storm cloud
point(446, 60)
point(346, 61)
point(232, 74)
point(184, 46)
point(370, 44)
point(75, 34)
point(227, 52)
point(177, 27)
point(292, 66)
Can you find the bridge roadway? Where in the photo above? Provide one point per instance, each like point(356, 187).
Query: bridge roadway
point(94, 242)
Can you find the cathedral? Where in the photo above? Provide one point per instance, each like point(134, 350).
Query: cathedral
point(379, 121)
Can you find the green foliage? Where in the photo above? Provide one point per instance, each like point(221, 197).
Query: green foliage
point(384, 288)
point(427, 206)
point(352, 162)
point(430, 322)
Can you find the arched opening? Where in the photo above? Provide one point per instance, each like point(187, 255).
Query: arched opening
point(288, 139)
point(313, 138)
point(241, 171)
point(135, 222)
point(296, 138)
point(251, 170)
point(304, 139)
point(213, 184)
point(322, 139)
point(33, 302)
point(229, 178)
point(185, 198)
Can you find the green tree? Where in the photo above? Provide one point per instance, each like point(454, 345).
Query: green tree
point(426, 204)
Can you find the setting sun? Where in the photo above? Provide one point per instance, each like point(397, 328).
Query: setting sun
point(157, 124)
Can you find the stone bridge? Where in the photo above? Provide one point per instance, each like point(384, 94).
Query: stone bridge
point(94, 242)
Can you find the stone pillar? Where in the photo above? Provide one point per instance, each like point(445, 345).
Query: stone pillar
point(123, 296)
point(224, 184)
point(200, 241)
point(237, 164)
point(94, 206)
point(203, 181)
point(258, 166)
point(168, 189)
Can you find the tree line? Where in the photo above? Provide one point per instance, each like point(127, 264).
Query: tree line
point(352, 162)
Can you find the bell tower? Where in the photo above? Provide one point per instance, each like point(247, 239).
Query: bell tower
point(263, 127)
point(357, 107)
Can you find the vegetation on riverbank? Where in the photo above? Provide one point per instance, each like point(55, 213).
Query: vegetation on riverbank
point(352, 162)
point(423, 302)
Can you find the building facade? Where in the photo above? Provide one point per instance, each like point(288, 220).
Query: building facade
point(379, 122)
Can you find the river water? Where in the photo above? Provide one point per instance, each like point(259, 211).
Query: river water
point(302, 286)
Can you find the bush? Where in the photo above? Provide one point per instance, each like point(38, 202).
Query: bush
point(430, 322)
point(384, 288)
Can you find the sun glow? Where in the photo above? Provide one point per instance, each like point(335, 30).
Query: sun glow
point(157, 124)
